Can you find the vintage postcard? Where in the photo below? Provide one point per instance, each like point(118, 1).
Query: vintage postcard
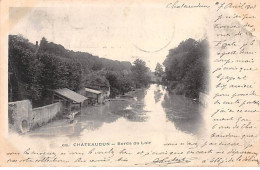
point(129, 83)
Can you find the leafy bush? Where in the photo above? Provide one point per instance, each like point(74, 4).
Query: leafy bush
point(37, 69)
point(186, 67)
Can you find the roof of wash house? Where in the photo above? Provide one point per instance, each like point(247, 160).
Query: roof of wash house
point(93, 91)
point(67, 93)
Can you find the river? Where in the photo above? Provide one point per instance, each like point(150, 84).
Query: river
point(152, 111)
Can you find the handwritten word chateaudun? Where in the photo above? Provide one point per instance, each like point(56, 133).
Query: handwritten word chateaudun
point(182, 5)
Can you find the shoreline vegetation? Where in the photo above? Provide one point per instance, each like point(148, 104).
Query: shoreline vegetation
point(35, 69)
point(187, 69)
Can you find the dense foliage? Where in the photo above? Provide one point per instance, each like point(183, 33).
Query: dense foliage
point(140, 73)
point(36, 69)
point(159, 70)
point(120, 82)
point(186, 68)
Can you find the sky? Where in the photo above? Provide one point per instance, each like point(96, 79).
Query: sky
point(118, 32)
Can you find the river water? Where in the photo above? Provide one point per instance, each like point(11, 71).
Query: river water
point(151, 111)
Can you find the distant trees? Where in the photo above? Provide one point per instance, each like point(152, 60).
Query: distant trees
point(186, 67)
point(36, 69)
point(96, 80)
point(124, 81)
point(159, 70)
point(140, 73)
point(43, 45)
point(120, 82)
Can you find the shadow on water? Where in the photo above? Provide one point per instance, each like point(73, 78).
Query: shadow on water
point(134, 112)
point(92, 118)
point(157, 94)
point(185, 113)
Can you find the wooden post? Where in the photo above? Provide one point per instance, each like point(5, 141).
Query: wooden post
point(69, 107)
point(80, 108)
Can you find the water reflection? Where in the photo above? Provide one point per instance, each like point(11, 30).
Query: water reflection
point(157, 94)
point(182, 115)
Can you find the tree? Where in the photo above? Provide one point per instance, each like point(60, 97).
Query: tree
point(140, 73)
point(35, 70)
point(159, 70)
point(43, 44)
point(25, 68)
point(186, 67)
point(120, 84)
point(97, 80)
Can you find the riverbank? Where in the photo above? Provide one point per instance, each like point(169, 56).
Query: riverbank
point(150, 109)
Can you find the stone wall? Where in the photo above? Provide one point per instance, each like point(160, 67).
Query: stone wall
point(18, 116)
point(42, 115)
point(22, 118)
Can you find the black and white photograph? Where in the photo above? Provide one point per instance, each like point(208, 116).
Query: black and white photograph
point(129, 83)
point(70, 73)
